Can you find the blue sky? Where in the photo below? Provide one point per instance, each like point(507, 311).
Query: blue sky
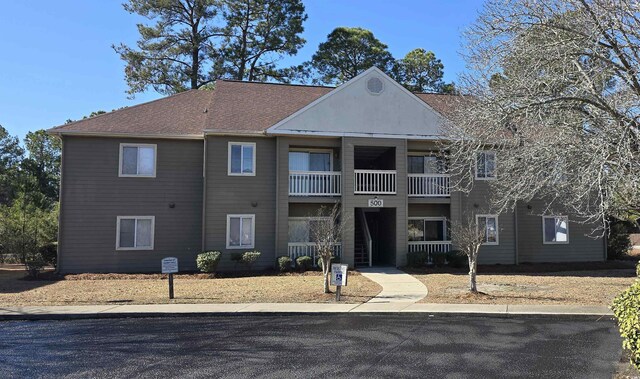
point(56, 60)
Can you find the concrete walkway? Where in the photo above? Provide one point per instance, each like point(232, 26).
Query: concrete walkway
point(397, 286)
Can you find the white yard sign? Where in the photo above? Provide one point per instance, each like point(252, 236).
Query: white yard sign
point(339, 274)
point(170, 265)
point(376, 203)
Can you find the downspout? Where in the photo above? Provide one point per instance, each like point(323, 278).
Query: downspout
point(58, 255)
point(204, 192)
point(277, 239)
point(515, 220)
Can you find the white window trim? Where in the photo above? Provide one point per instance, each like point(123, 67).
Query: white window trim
point(253, 230)
point(155, 159)
point(303, 150)
point(135, 231)
point(423, 219)
point(495, 168)
point(485, 231)
point(241, 144)
point(566, 218)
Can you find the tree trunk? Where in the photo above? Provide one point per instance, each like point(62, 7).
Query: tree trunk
point(325, 273)
point(473, 269)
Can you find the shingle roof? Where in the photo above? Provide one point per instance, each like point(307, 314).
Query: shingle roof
point(182, 114)
point(233, 107)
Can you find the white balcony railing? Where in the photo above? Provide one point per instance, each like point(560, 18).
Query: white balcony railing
point(309, 249)
point(314, 183)
point(430, 247)
point(428, 185)
point(375, 182)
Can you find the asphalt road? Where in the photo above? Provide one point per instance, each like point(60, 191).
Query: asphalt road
point(304, 346)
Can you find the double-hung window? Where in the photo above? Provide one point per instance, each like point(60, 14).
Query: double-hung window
point(242, 159)
point(555, 229)
point(486, 165)
point(240, 231)
point(137, 160)
point(135, 232)
point(488, 227)
point(427, 229)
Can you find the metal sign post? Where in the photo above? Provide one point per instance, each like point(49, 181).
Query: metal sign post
point(338, 278)
point(170, 266)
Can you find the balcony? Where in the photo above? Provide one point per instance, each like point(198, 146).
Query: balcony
point(428, 185)
point(375, 182)
point(309, 249)
point(315, 183)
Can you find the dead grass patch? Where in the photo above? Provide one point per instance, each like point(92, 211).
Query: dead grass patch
point(82, 289)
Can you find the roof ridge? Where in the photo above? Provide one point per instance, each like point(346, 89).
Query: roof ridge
point(126, 108)
point(277, 84)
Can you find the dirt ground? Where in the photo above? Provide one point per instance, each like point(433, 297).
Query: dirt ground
point(153, 289)
point(584, 284)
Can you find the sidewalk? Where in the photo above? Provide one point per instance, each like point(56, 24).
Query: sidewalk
point(169, 310)
point(397, 286)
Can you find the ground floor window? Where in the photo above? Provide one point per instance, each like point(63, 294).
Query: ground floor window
point(488, 225)
point(135, 232)
point(305, 229)
point(428, 229)
point(240, 231)
point(555, 229)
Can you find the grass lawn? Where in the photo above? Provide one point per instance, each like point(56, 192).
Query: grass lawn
point(574, 283)
point(87, 289)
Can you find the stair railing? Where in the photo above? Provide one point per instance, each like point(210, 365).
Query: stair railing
point(367, 236)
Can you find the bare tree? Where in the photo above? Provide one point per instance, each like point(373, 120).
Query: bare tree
point(554, 88)
point(326, 233)
point(469, 236)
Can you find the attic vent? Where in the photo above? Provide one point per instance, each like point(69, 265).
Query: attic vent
point(375, 86)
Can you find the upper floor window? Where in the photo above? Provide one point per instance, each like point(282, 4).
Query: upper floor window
point(555, 229)
point(488, 226)
point(425, 164)
point(137, 160)
point(242, 158)
point(135, 232)
point(486, 165)
point(240, 231)
point(312, 160)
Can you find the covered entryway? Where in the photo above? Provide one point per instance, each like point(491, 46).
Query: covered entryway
point(375, 237)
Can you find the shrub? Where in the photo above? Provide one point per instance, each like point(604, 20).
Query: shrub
point(49, 253)
point(34, 263)
point(618, 241)
point(417, 258)
point(626, 308)
point(304, 263)
point(250, 257)
point(457, 259)
point(236, 257)
point(284, 263)
point(208, 261)
point(334, 259)
point(638, 269)
point(439, 258)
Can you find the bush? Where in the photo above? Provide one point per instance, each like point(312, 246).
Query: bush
point(618, 241)
point(638, 269)
point(439, 258)
point(284, 263)
point(236, 257)
point(34, 263)
point(457, 259)
point(250, 257)
point(417, 258)
point(49, 253)
point(304, 263)
point(208, 261)
point(626, 308)
point(334, 259)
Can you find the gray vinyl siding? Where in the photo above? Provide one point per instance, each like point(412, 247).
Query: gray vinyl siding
point(93, 195)
point(477, 201)
point(241, 195)
point(429, 210)
point(581, 247)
